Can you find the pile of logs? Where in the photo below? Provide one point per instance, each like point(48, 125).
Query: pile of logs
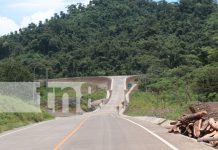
point(198, 126)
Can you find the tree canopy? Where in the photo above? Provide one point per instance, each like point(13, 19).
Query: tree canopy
point(118, 37)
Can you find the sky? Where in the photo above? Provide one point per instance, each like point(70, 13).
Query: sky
point(15, 14)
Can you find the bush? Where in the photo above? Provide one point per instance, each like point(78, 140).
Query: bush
point(14, 71)
point(13, 120)
point(206, 82)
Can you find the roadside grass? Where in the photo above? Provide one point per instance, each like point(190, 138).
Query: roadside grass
point(170, 93)
point(96, 94)
point(25, 113)
point(58, 95)
point(10, 121)
point(12, 104)
point(150, 104)
point(31, 114)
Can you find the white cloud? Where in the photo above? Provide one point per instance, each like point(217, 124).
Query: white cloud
point(42, 9)
point(36, 17)
point(7, 25)
point(45, 4)
point(35, 10)
point(81, 1)
point(48, 8)
point(39, 4)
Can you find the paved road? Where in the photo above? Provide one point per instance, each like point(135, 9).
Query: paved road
point(100, 130)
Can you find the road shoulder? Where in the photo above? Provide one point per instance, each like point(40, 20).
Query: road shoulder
point(177, 140)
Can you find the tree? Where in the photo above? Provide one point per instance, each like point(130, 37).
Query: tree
point(13, 71)
point(206, 82)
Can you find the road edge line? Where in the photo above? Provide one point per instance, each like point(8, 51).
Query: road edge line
point(152, 133)
point(22, 128)
point(112, 84)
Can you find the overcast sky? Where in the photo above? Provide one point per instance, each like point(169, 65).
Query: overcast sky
point(15, 14)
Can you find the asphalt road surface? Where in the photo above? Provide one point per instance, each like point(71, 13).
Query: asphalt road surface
point(104, 129)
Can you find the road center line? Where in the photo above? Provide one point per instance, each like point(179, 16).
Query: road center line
point(152, 133)
point(58, 145)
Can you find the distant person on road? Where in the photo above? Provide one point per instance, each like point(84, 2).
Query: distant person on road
point(118, 109)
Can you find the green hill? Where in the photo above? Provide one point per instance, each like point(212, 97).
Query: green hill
point(114, 37)
point(118, 37)
point(172, 46)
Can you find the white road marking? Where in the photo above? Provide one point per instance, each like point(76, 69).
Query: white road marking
point(24, 128)
point(112, 84)
point(152, 133)
point(125, 83)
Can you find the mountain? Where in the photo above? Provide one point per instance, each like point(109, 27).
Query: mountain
point(115, 37)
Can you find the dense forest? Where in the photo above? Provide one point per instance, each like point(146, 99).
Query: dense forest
point(118, 37)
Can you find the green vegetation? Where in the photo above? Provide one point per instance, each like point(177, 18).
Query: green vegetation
point(170, 93)
point(146, 103)
point(97, 94)
point(174, 44)
point(12, 70)
point(8, 104)
point(117, 37)
point(184, 83)
point(14, 120)
point(58, 97)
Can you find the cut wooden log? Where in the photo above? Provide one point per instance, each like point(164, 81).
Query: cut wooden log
point(208, 127)
point(211, 129)
point(194, 116)
point(208, 139)
point(189, 129)
point(210, 107)
point(197, 125)
point(175, 128)
point(213, 124)
point(200, 124)
point(214, 143)
point(209, 135)
point(197, 128)
point(204, 125)
point(173, 122)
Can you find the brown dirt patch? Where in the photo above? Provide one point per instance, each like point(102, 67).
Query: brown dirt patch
point(210, 107)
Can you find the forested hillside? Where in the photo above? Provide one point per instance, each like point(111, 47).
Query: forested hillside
point(111, 37)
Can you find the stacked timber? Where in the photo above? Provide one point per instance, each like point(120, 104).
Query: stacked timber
point(197, 125)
